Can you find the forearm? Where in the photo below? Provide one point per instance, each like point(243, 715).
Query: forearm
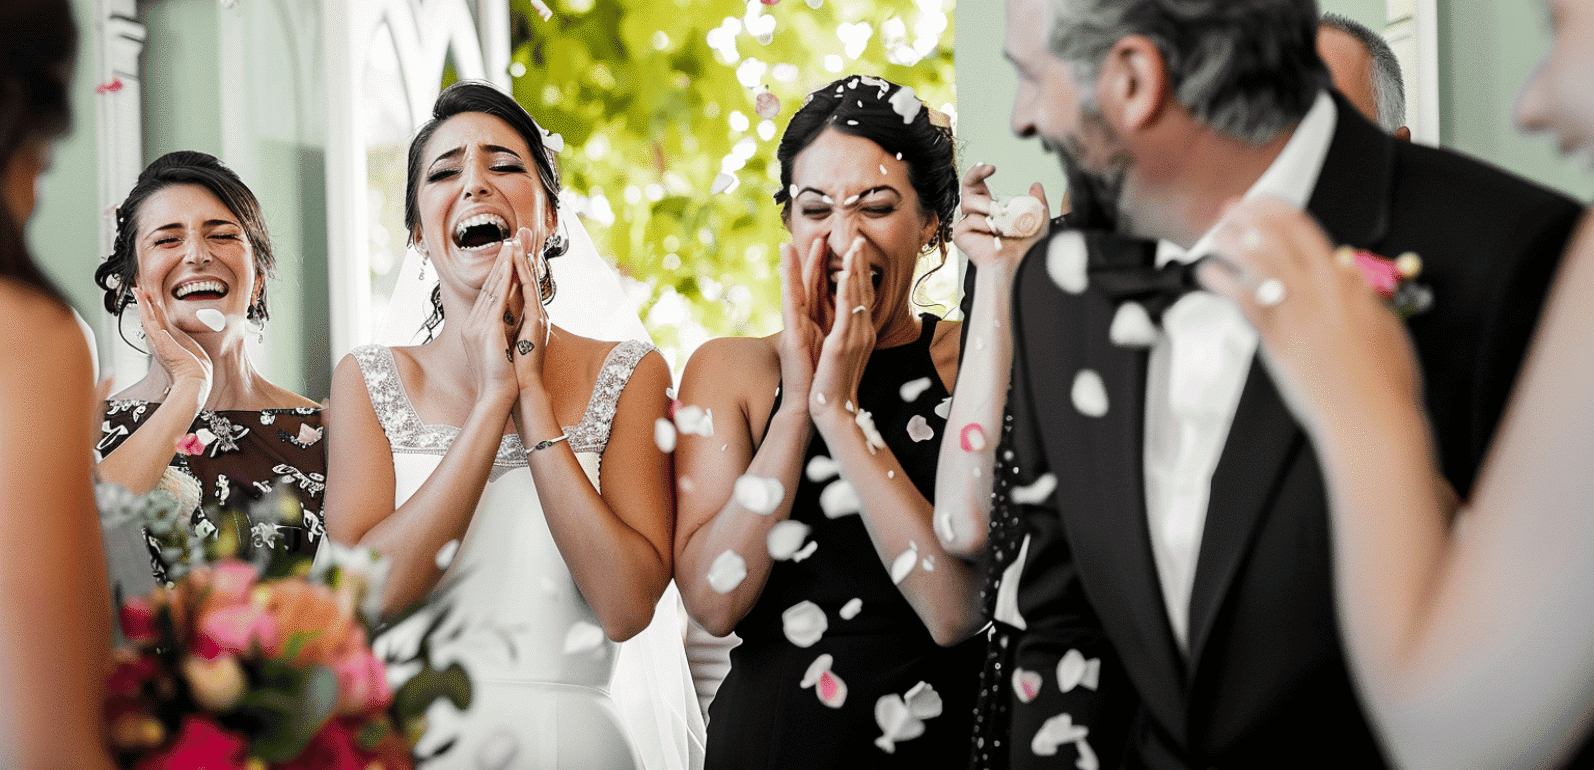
point(963, 483)
point(736, 529)
point(618, 570)
point(942, 589)
point(440, 510)
point(143, 457)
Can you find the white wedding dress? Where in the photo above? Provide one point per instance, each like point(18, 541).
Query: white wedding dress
point(540, 666)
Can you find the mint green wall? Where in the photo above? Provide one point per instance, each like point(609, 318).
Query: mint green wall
point(64, 232)
point(1373, 13)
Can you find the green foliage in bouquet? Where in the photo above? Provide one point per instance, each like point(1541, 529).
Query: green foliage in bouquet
point(657, 100)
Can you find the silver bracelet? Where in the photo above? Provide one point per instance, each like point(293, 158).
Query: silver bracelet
point(550, 442)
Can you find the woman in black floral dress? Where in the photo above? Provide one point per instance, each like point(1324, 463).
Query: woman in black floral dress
point(192, 255)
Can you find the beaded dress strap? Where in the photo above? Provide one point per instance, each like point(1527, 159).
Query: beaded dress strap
point(592, 433)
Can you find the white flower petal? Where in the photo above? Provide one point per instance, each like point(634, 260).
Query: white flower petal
point(694, 420)
point(904, 103)
point(927, 563)
point(1074, 671)
point(851, 609)
point(1059, 730)
point(804, 623)
point(839, 499)
point(1065, 261)
point(727, 572)
point(871, 435)
point(723, 182)
point(923, 701)
point(664, 435)
point(807, 551)
point(583, 637)
point(1132, 327)
point(1036, 493)
point(205, 436)
point(896, 722)
point(944, 408)
point(759, 494)
point(445, 555)
point(912, 389)
point(785, 538)
point(821, 468)
point(212, 318)
point(904, 563)
point(919, 428)
point(1089, 394)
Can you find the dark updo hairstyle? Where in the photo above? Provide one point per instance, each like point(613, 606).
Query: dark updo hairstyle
point(38, 43)
point(119, 273)
point(478, 96)
point(861, 106)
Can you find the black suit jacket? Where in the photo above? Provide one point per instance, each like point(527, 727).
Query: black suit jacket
point(1265, 682)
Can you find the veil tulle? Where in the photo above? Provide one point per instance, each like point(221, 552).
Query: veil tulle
point(652, 687)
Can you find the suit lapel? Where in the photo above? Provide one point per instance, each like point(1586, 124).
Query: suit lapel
point(1098, 461)
point(1352, 202)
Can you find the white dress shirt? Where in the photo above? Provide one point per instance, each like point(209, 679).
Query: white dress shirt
point(1197, 369)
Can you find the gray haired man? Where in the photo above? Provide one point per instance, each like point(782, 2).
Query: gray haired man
point(1168, 604)
point(1365, 70)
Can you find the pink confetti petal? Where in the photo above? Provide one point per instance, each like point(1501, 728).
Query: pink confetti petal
point(109, 87)
point(308, 435)
point(765, 104)
point(1026, 684)
point(972, 438)
point(190, 445)
point(831, 690)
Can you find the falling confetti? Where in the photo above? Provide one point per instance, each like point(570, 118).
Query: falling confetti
point(871, 435)
point(904, 103)
point(883, 171)
point(309, 435)
point(943, 409)
point(542, 9)
point(1037, 493)
point(1026, 684)
point(759, 494)
point(1059, 730)
point(205, 436)
point(904, 563)
point(583, 637)
point(1132, 327)
point(831, 690)
point(839, 499)
point(765, 104)
point(664, 435)
point(1021, 216)
point(724, 182)
point(919, 428)
point(803, 623)
point(807, 551)
point(821, 468)
point(814, 4)
point(1075, 671)
point(727, 572)
point(912, 389)
point(111, 87)
point(972, 438)
point(896, 722)
point(849, 407)
point(927, 563)
point(923, 701)
point(1065, 262)
point(1089, 394)
point(786, 538)
point(212, 318)
point(498, 750)
point(851, 609)
point(445, 555)
point(694, 420)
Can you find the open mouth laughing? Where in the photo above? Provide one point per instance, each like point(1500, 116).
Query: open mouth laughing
point(481, 232)
point(200, 289)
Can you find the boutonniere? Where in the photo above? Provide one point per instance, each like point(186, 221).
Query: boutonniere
point(1394, 279)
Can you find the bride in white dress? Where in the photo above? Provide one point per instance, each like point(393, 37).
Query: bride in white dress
point(532, 447)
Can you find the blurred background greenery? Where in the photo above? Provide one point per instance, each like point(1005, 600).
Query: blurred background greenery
point(656, 99)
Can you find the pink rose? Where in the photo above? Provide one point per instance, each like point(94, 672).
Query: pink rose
point(1380, 274)
point(238, 630)
point(217, 683)
point(200, 743)
point(138, 620)
point(362, 683)
point(232, 580)
point(766, 104)
point(190, 445)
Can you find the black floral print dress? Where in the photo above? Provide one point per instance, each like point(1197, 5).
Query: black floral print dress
point(241, 455)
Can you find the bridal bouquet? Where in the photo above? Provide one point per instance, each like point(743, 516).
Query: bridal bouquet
point(253, 659)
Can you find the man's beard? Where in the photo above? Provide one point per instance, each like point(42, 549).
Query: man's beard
point(1094, 197)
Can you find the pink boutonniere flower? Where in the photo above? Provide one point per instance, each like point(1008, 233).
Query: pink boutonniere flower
point(190, 445)
point(1394, 280)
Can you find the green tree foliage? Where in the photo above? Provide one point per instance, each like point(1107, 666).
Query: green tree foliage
point(650, 105)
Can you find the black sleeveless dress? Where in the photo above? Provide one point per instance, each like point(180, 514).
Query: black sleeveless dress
point(762, 716)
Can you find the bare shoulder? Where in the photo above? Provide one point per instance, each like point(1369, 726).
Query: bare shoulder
point(725, 359)
point(44, 338)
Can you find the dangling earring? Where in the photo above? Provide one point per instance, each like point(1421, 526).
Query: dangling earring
point(546, 288)
point(424, 260)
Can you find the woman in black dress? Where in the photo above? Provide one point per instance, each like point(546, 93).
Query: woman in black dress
point(804, 513)
point(192, 255)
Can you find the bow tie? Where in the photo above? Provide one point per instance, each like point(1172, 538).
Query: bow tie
point(1124, 269)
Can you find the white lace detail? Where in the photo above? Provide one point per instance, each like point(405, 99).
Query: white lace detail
point(408, 434)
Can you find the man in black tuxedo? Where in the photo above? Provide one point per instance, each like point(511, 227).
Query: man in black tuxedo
point(1169, 605)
